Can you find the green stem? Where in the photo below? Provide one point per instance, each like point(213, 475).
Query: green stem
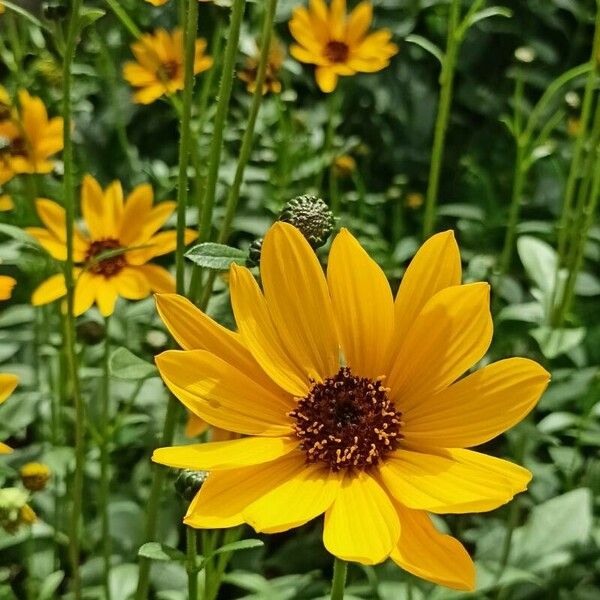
point(216, 146)
point(192, 569)
point(185, 139)
point(575, 169)
point(125, 19)
point(104, 462)
point(338, 583)
point(332, 106)
point(69, 201)
point(247, 141)
point(443, 115)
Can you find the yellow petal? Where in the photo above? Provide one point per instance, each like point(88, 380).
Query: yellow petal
point(426, 553)
point(359, 22)
point(7, 285)
point(479, 407)
point(295, 501)
point(85, 292)
point(362, 525)
point(135, 214)
point(451, 481)
point(434, 267)
point(225, 494)
point(92, 207)
point(296, 293)
point(55, 247)
point(131, 283)
point(194, 330)
point(326, 79)
point(259, 335)
point(159, 279)
point(8, 383)
point(106, 296)
point(50, 290)
point(195, 426)
point(362, 303)
point(452, 333)
point(222, 395)
point(4, 449)
point(225, 455)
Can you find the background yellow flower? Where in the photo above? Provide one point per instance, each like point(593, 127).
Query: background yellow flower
point(7, 285)
point(337, 43)
point(8, 383)
point(114, 251)
point(159, 66)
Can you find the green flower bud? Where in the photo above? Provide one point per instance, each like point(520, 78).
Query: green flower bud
point(254, 250)
point(188, 483)
point(311, 216)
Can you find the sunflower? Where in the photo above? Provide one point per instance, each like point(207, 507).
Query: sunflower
point(338, 43)
point(274, 63)
point(28, 138)
point(7, 285)
point(159, 66)
point(351, 402)
point(113, 253)
point(8, 383)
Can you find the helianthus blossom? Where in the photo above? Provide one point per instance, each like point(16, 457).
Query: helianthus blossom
point(351, 402)
point(338, 43)
point(121, 236)
point(8, 383)
point(275, 60)
point(28, 138)
point(159, 66)
point(7, 285)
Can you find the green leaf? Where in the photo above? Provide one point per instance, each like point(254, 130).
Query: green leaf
point(486, 13)
point(125, 365)
point(557, 421)
point(240, 545)
point(539, 260)
point(50, 585)
point(156, 551)
point(88, 16)
point(554, 342)
point(426, 45)
point(16, 233)
point(216, 256)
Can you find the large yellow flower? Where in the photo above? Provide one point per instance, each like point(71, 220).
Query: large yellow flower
point(159, 66)
point(113, 254)
point(8, 383)
point(28, 138)
point(352, 402)
point(337, 43)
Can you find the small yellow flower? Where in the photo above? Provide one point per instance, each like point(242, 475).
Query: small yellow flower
point(159, 66)
point(338, 43)
point(8, 383)
point(7, 285)
point(354, 403)
point(275, 62)
point(414, 200)
point(14, 510)
point(6, 203)
point(114, 253)
point(344, 165)
point(28, 138)
point(34, 476)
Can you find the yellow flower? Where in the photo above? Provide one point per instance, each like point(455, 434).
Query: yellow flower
point(344, 165)
point(338, 43)
point(352, 402)
point(159, 66)
point(7, 285)
point(274, 64)
point(34, 476)
point(8, 383)
point(14, 510)
point(28, 138)
point(414, 200)
point(6, 203)
point(126, 228)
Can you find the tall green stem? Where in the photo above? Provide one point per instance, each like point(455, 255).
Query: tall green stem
point(185, 137)
point(69, 200)
point(443, 115)
point(191, 567)
point(338, 583)
point(247, 141)
point(104, 463)
point(216, 146)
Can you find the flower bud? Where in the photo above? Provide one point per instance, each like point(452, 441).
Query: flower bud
point(311, 216)
point(35, 476)
point(189, 482)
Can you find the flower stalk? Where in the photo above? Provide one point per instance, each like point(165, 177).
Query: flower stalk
point(338, 583)
point(191, 536)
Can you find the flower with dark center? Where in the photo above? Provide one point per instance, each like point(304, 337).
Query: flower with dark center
point(375, 445)
point(109, 265)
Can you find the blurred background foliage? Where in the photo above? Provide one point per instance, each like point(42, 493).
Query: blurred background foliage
point(385, 122)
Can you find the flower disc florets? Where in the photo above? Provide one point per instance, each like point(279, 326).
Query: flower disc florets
point(337, 52)
point(108, 266)
point(348, 422)
point(311, 216)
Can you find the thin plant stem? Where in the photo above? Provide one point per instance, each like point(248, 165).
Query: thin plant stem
point(332, 107)
point(125, 19)
point(191, 536)
point(247, 140)
point(443, 116)
point(216, 146)
point(104, 463)
point(338, 583)
point(185, 139)
point(69, 342)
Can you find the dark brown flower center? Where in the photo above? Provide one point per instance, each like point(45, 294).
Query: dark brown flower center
point(337, 52)
point(170, 69)
point(347, 422)
point(109, 265)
